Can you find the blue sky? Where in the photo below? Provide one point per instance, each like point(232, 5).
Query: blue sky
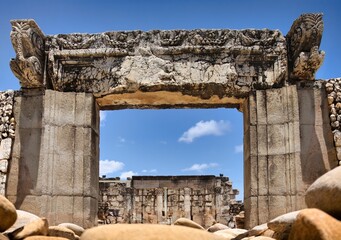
point(170, 142)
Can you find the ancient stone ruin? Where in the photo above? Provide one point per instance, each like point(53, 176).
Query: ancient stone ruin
point(290, 118)
point(205, 199)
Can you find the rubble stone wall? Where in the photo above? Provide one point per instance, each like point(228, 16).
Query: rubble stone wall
point(333, 88)
point(163, 199)
point(7, 132)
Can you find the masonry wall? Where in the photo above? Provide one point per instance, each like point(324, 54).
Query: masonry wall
point(163, 199)
point(54, 167)
point(288, 144)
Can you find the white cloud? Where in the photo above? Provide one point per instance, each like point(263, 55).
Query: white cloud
point(205, 128)
point(200, 167)
point(149, 171)
point(125, 175)
point(102, 117)
point(238, 148)
point(109, 166)
point(121, 140)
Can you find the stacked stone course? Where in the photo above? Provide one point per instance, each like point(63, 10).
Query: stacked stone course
point(164, 199)
point(7, 127)
point(333, 88)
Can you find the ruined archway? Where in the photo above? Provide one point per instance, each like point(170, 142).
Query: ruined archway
point(70, 77)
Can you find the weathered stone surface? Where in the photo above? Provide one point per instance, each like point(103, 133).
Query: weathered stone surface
point(304, 40)
point(217, 227)
point(325, 193)
point(44, 238)
point(205, 198)
point(3, 237)
point(146, 232)
point(28, 42)
point(315, 224)
point(58, 231)
point(188, 223)
point(5, 148)
point(38, 227)
point(8, 214)
point(23, 218)
point(282, 225)
point(215, 60)
point(78, 230)
point(230, 233)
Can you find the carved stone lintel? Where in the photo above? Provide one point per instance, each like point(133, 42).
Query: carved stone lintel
point(29, 44)
point(304, 38)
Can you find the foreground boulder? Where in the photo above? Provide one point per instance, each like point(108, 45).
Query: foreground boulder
point(146, 232)
point(38, 227)
point(59, 231)
point(314, 224)
point(281, 225)
point(188, 223)
point(8, 214)
point(217, 227)
point(325, 193)
point(230, 233)
point(23, 218)
point(78, 230)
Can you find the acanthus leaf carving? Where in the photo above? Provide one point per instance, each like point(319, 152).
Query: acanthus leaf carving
point(304, 38)
point(28, 42)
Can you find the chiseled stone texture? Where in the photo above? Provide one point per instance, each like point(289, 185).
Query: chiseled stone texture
point(54, 169)
point(288, 145)
point(226, 64)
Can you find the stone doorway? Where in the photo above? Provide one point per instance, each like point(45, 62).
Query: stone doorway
point(69, 78)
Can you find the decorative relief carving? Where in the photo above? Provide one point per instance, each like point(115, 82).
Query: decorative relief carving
point(304, 38)
point(28, 42)
point(120, 62)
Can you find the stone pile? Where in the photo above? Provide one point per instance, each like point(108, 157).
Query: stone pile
point(333, 88)
point(17, 224)
point(320, 221)
point(7, 127)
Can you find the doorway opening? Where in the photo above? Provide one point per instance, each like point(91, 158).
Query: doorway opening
point(158, 148)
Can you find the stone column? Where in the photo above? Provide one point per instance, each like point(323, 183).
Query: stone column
point(55, 166)
point(286, 148)
point(159, 204)
point(218, 203)
point(187, 202)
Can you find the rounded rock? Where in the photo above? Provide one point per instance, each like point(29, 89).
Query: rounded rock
point(188, 223)
point(78, 230)
point(217, 227)
point(313, 223)
point(146, 232)
point(8, 214)
point(325, 193)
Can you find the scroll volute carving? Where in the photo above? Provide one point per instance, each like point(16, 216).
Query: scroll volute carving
point(304, 40)
point(28, 42)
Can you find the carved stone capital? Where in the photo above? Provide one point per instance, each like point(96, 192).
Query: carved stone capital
point(159, 191)
point(304, 38)
point(29, 44)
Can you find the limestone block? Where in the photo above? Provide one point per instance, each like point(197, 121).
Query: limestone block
point(313, 223)
point(3, 166)
point(145, 232)
point(5, 148)
point(325, 193)
point(38, 227)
